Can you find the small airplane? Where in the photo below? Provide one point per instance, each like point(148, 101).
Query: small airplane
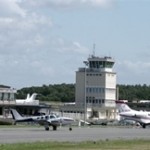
point(29, 99)
point(142, 117)
point(45, 120)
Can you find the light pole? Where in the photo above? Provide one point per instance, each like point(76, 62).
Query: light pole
point(85, 108)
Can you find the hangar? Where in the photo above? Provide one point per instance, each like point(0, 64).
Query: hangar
point(8, 100)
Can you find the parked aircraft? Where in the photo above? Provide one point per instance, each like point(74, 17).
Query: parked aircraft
point(29, 99)
point(45, 120)
point(143, 117)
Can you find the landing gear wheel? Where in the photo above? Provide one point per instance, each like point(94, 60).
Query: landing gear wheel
point(47, 128)
point(70, 129)
point(54, 128)
point(144, 126)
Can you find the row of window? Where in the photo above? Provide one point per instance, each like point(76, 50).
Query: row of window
point(101, 64)
point(99, 90)
point(93, 100)
point(94, 74)
point(47, 117)
point(99, 74)
point(95, 90)
point(73, 112)
point(7, 96)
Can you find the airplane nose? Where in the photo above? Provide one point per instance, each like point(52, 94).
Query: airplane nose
point(122, 114)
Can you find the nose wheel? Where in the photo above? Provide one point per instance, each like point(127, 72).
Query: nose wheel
point(70, 128)
point(144, 126)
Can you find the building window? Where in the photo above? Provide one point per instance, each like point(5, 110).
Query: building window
point(103, 101)
point(99, 101)
point(103, 90)
point(1, 96)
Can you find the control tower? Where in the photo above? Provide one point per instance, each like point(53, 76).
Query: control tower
point(96, 86)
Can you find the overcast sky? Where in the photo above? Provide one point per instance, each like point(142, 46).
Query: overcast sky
point(46, 41)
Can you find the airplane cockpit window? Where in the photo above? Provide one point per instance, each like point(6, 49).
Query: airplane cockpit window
point(52, 116)
point(46, 117)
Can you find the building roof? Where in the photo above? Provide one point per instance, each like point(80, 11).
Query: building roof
point(4, 86)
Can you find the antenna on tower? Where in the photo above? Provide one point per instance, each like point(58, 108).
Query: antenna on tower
point(94, 45)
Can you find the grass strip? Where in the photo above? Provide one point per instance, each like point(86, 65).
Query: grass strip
point(88, 145)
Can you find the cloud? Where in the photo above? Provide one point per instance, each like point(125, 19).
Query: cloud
point(70, 3)
point(30, 55)
point(133, 72)
point(69, 47)
point(22, 34)
point(136, 67)
point(11, 7)
point(30, 52)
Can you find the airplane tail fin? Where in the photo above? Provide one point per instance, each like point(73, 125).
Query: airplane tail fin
point(28, 96)
point(122, 106)
point(16, 116)
point(33, 96)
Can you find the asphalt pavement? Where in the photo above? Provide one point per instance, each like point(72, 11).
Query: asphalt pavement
point(78, 134)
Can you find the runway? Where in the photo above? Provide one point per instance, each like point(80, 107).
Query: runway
point(78, 134)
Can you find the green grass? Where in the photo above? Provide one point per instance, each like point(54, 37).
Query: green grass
point(89, 145)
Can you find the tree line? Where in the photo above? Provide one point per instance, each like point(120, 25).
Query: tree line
point(134, 92)
point(52, 93)
point(66, 92)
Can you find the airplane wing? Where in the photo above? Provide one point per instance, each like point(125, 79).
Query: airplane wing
point(25, 120)
point(55, 121)
point(66, 120)
point(49, 122)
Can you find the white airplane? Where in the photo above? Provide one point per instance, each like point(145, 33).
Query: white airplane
point(45, 120)
point(143, 117)
point(29, 99)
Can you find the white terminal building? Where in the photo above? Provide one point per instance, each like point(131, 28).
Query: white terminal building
point(95, 93)
point(28, 106)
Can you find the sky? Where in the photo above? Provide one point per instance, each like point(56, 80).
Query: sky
point(44, 42)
